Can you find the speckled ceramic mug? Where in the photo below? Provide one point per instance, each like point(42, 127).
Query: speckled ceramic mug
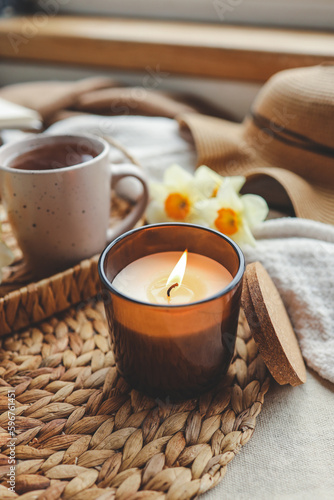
point(60, 215)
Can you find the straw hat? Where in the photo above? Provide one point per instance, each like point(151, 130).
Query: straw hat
point(288, 136)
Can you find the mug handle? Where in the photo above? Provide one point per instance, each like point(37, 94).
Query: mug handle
point(118, 172)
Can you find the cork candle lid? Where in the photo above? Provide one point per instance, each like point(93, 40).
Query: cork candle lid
point(271, 327)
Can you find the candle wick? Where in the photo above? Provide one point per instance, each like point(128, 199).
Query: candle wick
point(171, 288)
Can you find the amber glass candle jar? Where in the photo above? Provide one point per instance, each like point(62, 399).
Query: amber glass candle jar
point(172, 350)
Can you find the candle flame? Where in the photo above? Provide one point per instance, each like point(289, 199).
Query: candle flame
point(176, 276)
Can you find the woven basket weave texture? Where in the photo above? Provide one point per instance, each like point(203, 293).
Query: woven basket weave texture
point(82, 433)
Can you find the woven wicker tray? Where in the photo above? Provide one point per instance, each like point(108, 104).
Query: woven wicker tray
point(23, 301)
point(82, 433)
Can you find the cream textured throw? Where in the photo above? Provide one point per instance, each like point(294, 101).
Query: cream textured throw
point(299, 256)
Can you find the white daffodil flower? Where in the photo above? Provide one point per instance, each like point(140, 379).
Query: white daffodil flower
point(206, 199)
point(209, 182)
point(175, 198)
point(232, 214)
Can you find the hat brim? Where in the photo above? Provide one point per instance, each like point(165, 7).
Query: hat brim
point(224, 146)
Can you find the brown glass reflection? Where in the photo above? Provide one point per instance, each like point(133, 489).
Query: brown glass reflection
point(176, 351)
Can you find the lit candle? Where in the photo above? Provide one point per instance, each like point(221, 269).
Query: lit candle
point(161, 278)
point(172, 323)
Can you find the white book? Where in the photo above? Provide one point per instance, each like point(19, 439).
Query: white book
point(13, 116)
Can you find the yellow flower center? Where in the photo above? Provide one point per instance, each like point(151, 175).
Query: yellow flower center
point(177, 206)
point(227, 221)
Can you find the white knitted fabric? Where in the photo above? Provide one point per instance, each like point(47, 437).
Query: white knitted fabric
point(299, 256)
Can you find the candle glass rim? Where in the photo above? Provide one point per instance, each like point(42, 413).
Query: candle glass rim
point(236, 279)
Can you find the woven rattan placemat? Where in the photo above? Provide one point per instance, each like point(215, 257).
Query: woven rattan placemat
point(82, 433)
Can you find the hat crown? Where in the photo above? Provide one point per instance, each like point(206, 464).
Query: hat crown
point(300, 102)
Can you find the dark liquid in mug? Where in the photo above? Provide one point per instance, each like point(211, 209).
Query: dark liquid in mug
point(54, 156)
